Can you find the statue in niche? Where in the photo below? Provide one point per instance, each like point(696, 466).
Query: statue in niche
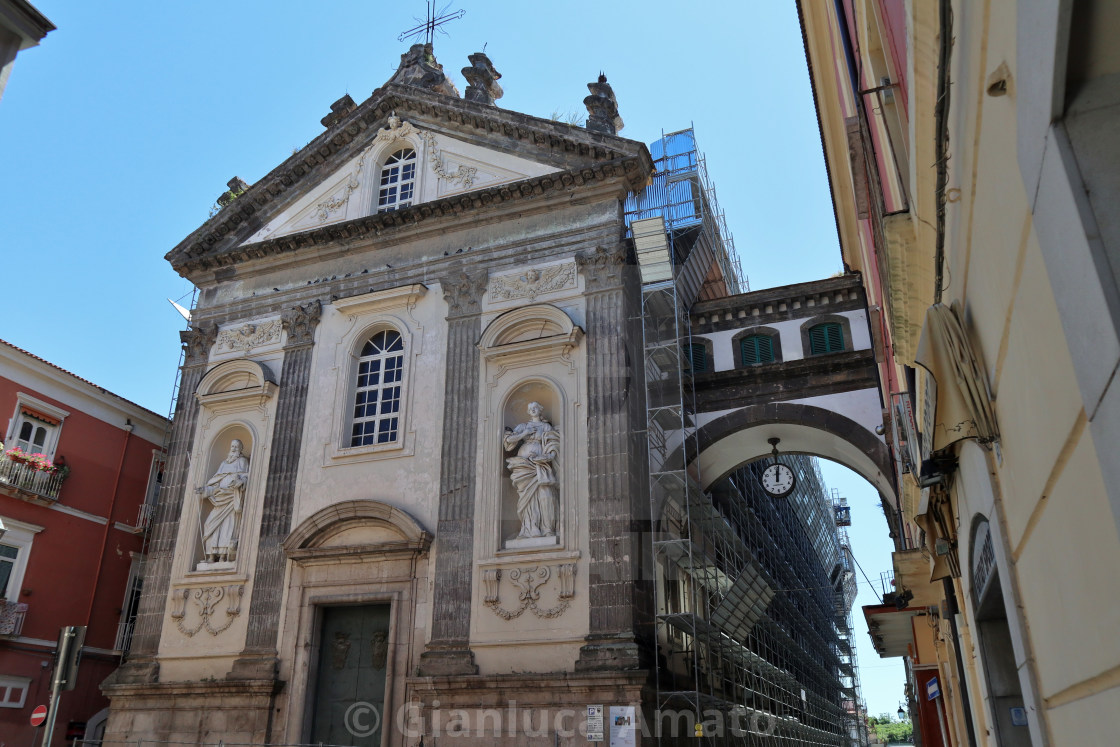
point(225, 492)
point(533, 473)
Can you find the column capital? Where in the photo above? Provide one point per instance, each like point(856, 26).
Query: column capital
point(463, 292)
point(197, 342)
point(602, 267)
point(300, 323)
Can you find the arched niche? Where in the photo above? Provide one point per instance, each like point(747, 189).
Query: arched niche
point(515, 410)
point(218, 451)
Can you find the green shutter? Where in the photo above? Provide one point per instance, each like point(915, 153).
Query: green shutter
point(826, 338)
point(756, 349)
point(698, 358)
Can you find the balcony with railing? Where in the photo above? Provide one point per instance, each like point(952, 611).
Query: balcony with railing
point(25, 480)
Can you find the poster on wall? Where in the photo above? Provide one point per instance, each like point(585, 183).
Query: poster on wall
point(624, 726)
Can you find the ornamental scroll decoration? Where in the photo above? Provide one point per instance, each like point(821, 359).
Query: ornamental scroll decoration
point(206, 599)
point(528, 582)
point(249, 336)
point(464, 174)
point(532, 282)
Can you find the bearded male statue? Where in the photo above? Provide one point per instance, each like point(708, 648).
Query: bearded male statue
point(225, 492)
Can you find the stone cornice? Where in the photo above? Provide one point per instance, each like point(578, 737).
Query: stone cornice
point(552, 142)
point(379, 224)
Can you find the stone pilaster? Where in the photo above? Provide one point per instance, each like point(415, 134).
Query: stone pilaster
point(141, 666)
point(448, 652)
point(615, 464)
point(259, 658)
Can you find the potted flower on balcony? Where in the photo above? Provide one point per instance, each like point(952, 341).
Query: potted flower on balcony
point(37, 462)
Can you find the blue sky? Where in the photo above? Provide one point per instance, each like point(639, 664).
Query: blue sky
point(121, 129)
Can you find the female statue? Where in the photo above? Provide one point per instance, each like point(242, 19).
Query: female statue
point(533, 472)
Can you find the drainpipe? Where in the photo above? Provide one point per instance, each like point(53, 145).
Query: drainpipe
point(129, 428)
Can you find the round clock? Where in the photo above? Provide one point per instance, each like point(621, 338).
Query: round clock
point(778, 480)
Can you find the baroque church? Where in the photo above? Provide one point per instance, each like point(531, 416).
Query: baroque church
point(407, 492)
point(404, 455)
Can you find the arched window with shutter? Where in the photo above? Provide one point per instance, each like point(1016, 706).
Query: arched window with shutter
point(826, 338)
point(756, 349)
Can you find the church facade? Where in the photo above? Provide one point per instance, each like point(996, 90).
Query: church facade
point(407, 463)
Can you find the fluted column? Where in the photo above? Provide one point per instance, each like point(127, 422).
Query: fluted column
point(197, 342)
point(616, 463)
point(259, 657)
point(448, 652)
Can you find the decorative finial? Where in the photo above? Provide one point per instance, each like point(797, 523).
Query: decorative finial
point(483, 80)
point(602, 107)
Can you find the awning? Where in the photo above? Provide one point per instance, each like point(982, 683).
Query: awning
point(39, 416)
point(964, 402)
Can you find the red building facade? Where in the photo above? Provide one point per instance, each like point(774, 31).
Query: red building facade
point(73, 535)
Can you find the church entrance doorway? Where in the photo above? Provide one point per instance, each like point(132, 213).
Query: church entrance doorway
point(348, 700)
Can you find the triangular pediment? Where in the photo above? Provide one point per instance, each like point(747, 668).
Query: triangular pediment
point(444, 166)
point(328, 188)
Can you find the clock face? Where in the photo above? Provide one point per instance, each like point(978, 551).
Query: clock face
point(778, 480)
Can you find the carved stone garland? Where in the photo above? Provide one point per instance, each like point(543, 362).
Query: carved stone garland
point(207, 598)
point(528, 582)
point(464, 174)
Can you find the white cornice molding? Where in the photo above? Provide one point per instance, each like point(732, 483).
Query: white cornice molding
point(393, 298)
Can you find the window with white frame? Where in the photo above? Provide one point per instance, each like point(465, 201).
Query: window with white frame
point(15, 546)
point(35, 426)
point(398, 181)
point(377, 390)
point(13, 691)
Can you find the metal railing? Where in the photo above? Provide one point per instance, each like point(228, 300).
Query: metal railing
point(26, 478)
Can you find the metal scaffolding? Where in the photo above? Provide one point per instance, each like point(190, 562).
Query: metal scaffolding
point(753, 626)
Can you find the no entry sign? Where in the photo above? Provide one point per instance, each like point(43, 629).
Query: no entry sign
point(39, 715)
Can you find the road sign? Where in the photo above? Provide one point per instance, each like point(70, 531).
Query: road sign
point(594, 723)
point(933, 690)
point(39, 715)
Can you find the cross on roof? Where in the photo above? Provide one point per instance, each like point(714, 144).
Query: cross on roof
point(432, 23)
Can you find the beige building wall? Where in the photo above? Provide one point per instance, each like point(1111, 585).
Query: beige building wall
point(1029, 258)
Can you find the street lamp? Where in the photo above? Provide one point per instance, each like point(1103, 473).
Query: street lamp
point(901, 712)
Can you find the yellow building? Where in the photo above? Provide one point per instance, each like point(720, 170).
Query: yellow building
point(974, 163)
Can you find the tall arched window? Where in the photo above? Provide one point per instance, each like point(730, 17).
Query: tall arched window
point(398, 180)
point(377, 391)
point(755, 349)
point(826, 338)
